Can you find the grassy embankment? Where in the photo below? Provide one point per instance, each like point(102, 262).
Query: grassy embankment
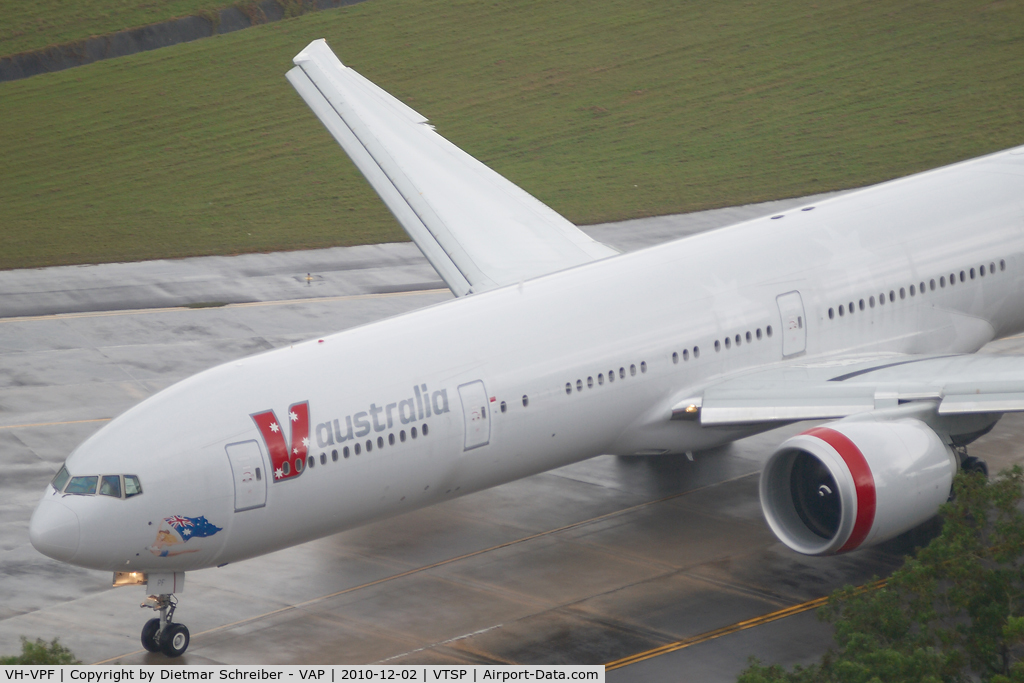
point(34, 25)
point(605, 110)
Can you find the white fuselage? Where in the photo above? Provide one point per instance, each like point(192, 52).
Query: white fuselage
point(545, 351)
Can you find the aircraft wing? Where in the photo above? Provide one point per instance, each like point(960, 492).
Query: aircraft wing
point(476, 228)
point(960, 384)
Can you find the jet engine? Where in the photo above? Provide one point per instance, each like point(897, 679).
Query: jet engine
point(852, 484)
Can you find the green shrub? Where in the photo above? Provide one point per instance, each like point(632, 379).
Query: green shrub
point(41, 652)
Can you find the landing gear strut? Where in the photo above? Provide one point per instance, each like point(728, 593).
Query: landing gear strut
point(161, 634)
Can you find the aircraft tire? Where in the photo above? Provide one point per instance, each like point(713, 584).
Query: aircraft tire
point(175, 640)
point(149, 640)
point(973, 464)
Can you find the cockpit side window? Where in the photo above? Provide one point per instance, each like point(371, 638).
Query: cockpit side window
point(132, 487)
point(110, 485)
point(61, 479)
point(82, 485)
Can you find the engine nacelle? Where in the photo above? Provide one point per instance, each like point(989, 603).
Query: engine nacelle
point(851, 484)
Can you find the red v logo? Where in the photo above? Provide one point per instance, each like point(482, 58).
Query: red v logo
point(288, 459)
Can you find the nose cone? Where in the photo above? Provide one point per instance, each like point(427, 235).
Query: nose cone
point(54, 530)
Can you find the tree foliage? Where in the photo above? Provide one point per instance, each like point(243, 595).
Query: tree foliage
point(954, 612)
point(41, 652)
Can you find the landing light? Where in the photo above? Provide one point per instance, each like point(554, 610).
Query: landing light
point(129, 579)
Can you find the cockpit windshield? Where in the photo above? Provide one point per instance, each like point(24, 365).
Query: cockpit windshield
point(110, 486)
point(113, 485)
point(82, 485)
point(61, 479)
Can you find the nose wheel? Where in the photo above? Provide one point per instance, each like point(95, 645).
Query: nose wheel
point(161, 634)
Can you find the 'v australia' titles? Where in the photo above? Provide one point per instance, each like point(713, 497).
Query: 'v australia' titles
point(420, 406)
point(288, 458)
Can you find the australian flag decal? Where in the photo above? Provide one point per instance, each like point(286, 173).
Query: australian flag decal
point(176, 530)
point(191, 527)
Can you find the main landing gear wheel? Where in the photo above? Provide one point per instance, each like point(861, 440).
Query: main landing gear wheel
point(969, 463)
point(174, 640)
point(149, 635)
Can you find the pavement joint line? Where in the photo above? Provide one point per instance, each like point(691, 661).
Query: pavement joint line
point(441, 563)
point(246, 304)
point(443, 642)
point(732, 628)
point(54, 424)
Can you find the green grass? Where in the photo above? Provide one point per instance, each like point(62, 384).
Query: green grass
point(33, 25)
point(603, 109)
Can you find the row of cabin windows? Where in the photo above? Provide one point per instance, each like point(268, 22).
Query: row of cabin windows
point(738, 339)
point(920, 288)
point(357, 448)
point(686, 354)
point(600, 379)
point(113, 485)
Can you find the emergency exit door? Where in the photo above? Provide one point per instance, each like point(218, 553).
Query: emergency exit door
point(250, 475)
point(794, 327)
point(476, 413)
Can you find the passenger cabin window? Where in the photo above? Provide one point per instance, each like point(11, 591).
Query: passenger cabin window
point(110, 486)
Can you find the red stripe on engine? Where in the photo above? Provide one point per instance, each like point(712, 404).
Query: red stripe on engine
point(862, 480)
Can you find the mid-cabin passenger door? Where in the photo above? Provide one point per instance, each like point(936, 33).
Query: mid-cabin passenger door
point(476, 412)
point(249, 472)
point(794, 328)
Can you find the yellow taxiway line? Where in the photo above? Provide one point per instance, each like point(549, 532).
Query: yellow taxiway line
point(726, 630)
point(54, 424)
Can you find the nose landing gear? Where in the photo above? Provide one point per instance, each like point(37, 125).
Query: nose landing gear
point(161, 634)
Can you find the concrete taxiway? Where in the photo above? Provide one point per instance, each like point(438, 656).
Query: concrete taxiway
point(593, 563)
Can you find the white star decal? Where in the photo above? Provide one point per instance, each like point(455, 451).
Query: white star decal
point(305, 442)
point(295, 451)
point(274, 428)
point(293, 417)
point(186, 532)
point(278, 473)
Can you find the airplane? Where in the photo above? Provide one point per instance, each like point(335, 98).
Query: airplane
point(864, 310)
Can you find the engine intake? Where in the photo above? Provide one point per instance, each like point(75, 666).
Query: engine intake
point(853, 484)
